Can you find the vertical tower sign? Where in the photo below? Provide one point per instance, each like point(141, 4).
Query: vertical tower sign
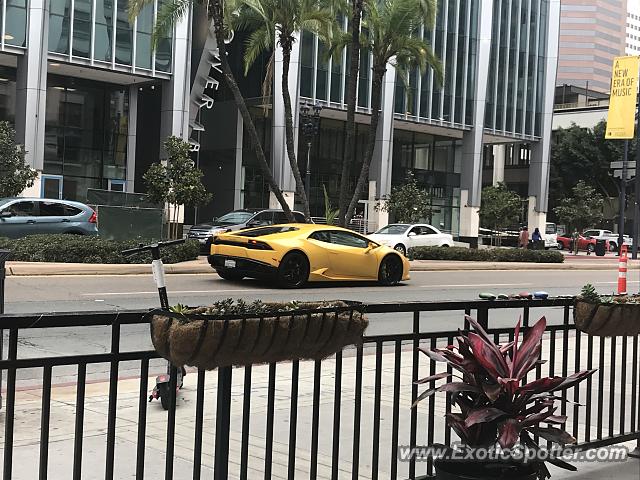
point(622, 100)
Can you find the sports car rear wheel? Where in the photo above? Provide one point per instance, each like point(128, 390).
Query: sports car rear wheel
point(390, 272)
point(293, 271)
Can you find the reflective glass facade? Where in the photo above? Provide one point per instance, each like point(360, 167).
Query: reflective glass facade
point(13, 17)
point(517, 67)
point(8, 94)
point(99, 31)
point(436, 164)
point(85, 134)
point(454, 40)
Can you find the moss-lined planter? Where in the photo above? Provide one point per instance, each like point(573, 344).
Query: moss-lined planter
point(607, 319)
point(313, 330)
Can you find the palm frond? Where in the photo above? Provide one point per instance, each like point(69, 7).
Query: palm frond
point(134, 7)
point(256, 44)
point(167, 16)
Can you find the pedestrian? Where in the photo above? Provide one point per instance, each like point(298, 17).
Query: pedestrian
point(536, 236)
point(575, 237)
point(524, 237)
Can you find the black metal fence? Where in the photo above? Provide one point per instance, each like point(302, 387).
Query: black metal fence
point(342, 417)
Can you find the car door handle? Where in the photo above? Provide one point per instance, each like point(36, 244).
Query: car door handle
point(66, 220)
point(31, 221)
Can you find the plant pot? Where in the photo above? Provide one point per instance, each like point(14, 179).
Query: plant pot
point(315, 331)
point(477, 470)
point(607, 320)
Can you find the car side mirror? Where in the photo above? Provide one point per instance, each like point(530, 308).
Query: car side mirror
point(6, 214)
point(371, 246)
point(411, 234)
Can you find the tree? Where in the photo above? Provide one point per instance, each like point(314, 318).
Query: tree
point(582, 154)
point(171, 12)
point(350, 99)
point(389, 33)
point(500, 207)
point(583, 209)
point(274, 23)
point(15, 174)
point(177, 183)
point(408, 203)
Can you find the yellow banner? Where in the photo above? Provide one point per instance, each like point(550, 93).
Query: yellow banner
point(622, 100)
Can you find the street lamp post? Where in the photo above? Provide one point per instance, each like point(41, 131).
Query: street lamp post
point(309, 123)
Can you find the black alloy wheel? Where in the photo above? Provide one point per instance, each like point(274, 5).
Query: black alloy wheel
point(293, 271)
point(390, 272)
point(401, 249)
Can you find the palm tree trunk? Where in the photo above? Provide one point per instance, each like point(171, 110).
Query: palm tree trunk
point(352, 86)
point(216, 14)
point(376, 100)
point(288, 126)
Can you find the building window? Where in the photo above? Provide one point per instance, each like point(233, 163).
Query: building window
point(85, 134)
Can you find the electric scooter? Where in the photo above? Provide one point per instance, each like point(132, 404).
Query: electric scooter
point(161, 389)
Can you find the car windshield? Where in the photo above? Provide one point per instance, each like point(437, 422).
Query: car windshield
point(234, 218)
point(397, 229)
point(4, 201)
point(261, 232)
point(551, 228)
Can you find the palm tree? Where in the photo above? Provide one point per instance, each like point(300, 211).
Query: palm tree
point(390, 32)
point(220, 17)
point(275, 23)
point(350, 100)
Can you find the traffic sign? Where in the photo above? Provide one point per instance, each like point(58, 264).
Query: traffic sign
point(618, 174)
point(630, 165)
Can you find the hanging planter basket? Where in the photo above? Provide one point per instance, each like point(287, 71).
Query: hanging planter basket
point(608, 319)
point(314, 330)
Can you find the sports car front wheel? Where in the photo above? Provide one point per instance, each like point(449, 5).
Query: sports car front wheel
point(293, 271)
point(390, 272)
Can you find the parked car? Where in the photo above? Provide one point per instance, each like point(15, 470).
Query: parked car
point(237, 220)
point(550, 235)
point(584, 243)
point(608, 235)
point(29, 216)
point(297, 253)
point(402, 236)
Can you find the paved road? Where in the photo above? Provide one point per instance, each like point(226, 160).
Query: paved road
point(81, 293)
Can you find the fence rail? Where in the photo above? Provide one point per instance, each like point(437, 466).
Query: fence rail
point(342, 417)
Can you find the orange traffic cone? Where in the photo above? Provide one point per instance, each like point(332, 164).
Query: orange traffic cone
point(622, 271)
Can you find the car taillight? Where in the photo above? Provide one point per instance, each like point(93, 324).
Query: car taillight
point(93, 218)
point(258, 245)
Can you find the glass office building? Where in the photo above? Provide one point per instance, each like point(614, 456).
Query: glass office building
point(92, 103)
point(499, 59)
point(77, 96)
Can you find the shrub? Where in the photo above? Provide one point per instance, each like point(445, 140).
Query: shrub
point(486, 255)
point(83, 249)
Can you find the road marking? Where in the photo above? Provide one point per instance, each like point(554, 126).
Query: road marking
point(479, 285)
point(100, 294)
point(267, 290)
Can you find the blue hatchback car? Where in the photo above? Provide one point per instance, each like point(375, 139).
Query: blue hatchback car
point(29, 216)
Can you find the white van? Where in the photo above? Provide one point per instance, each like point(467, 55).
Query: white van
point(551, 235)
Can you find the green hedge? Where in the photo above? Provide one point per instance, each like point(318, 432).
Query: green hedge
point(85, 249)
point(486, 255)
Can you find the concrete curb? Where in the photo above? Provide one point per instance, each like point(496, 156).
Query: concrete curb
point(201, 266)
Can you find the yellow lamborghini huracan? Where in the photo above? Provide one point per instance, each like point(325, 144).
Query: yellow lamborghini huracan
point(294, 254)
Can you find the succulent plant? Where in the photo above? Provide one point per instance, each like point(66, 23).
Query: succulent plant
point(495, 404)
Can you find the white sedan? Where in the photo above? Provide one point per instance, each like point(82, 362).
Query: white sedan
point(402, 236)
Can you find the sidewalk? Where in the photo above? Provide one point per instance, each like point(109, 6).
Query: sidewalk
point(201, 266)
point(63, 398)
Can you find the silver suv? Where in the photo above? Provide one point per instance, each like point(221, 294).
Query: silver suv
point(237, 220)
point(29, 216)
